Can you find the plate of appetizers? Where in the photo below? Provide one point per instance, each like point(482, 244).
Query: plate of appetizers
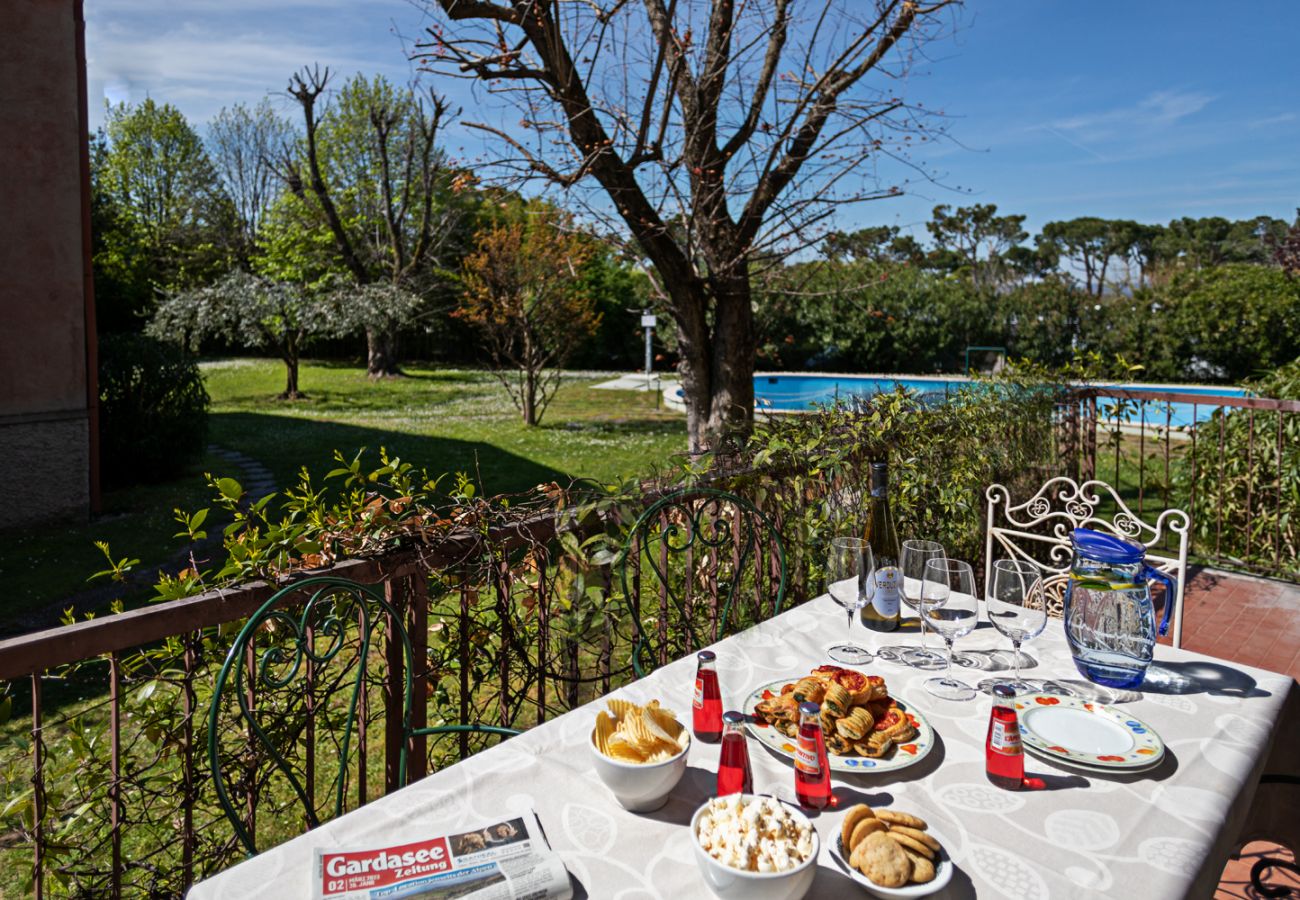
point(866, 729)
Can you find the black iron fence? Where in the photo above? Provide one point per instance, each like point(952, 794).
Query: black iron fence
point(1232, 463)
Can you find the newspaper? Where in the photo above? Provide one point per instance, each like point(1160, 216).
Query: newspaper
point(506, 860)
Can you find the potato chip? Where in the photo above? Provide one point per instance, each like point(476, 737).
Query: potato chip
point(621, 708)
point(654, 728)
point(604, 731)
point(627, 753)
point(640, 734)
point(666, 720)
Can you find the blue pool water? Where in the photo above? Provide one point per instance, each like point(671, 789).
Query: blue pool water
point(794, 393)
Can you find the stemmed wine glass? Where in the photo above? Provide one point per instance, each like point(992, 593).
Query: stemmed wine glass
point(948, 600)
point(1016, 607)
point(851, 582)
point(915, 555)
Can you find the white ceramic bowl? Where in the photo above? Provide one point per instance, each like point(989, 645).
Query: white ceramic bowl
point(735, 884)
point(639, 787)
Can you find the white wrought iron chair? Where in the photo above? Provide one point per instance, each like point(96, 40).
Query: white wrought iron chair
point(1045, 520)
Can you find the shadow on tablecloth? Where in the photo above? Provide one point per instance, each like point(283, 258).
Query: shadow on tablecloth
point(1200, 677)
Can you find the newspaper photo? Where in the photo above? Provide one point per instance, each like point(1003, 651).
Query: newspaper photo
point(505, 860)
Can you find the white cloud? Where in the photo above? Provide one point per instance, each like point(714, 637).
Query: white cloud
point(1158, 109)
point(222, 52)
point(1280, 119)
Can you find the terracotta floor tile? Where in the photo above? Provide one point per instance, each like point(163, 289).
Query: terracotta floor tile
point(1235, 883)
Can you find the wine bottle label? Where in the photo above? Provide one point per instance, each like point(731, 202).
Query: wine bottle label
point(1005, 738)
point(699, 693)
point(889, 583)
point(805, 756)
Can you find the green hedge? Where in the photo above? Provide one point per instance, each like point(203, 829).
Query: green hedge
point(153, 409)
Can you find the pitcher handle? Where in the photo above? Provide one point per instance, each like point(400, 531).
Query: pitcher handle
point(1150, 573)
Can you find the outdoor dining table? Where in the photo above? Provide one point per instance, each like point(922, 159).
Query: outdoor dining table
point(1163, 833)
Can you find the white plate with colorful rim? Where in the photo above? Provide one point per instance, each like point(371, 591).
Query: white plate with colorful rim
point(942, 873)
point(908, 753)
point(1083, 733)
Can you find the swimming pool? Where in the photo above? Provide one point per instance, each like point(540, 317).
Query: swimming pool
point(796, 393)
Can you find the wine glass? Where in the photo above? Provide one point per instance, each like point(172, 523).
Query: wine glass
point(948, 600)
point(915, 555)
point(851, 582)
point(1016, 608)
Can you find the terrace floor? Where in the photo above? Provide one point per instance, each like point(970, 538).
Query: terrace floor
point(1248, 620)
point(1255, 622)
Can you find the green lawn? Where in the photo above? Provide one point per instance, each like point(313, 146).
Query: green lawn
point(445, 421)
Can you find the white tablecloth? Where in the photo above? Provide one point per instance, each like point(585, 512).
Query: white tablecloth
point(1162, 834)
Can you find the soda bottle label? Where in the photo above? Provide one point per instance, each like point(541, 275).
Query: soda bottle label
point(805, 756)
point(888, 584)
point(1005, 739)
point(699, 693)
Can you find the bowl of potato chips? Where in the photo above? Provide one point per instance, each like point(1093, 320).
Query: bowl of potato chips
point(639, 752)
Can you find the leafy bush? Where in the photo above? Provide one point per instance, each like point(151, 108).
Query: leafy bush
point(153, 409)
point(810, 473)
point(1245, 496)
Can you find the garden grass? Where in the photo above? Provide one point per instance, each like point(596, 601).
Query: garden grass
point(441, 420)
point(445, 421)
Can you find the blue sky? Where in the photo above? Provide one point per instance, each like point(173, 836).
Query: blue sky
point(1144, 110)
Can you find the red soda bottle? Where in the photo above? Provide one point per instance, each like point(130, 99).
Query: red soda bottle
point(706, 713)
point(734, 773)
point(1003, 753)
point(812, 771)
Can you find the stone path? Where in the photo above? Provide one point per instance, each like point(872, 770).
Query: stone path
point(637, 381)
point(255, 478)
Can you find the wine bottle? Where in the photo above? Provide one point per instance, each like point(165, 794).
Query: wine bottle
point(882, 613)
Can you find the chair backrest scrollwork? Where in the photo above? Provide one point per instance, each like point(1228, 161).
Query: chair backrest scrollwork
point(1039, 528)
point(697, 564)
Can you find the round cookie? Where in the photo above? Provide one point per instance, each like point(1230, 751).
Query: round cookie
point(864, 828)
point(910, 843)
point(916, 834)
point(900, 818)
point(882, 860)
point(922, 868)
point(851, 819)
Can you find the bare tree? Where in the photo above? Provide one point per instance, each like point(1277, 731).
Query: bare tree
point(719, 133)
point(392, 178)
point(243, 143)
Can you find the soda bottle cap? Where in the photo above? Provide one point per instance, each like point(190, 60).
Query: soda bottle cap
point(1004, 692)
point(808, 708)
point(733, 717)
point(706, 656)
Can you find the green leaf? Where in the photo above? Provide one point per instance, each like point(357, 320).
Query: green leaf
point(230, 488)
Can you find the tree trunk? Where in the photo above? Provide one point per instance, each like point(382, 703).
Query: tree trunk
point(529, 399)
point(717, 364)
point(381, 354)
point(532, 371)
point(291, 391)
point(731, 395)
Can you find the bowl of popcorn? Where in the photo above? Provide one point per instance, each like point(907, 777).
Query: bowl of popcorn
point(755, 847)
point(639, 753)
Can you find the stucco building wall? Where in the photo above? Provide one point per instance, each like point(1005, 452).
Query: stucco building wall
point(44, 410)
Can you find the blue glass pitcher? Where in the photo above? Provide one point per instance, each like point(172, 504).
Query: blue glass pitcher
point(1110, 621)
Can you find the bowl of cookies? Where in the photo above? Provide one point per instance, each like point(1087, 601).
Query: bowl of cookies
point(752, 847)
point(891, 853)
point(639, 753)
